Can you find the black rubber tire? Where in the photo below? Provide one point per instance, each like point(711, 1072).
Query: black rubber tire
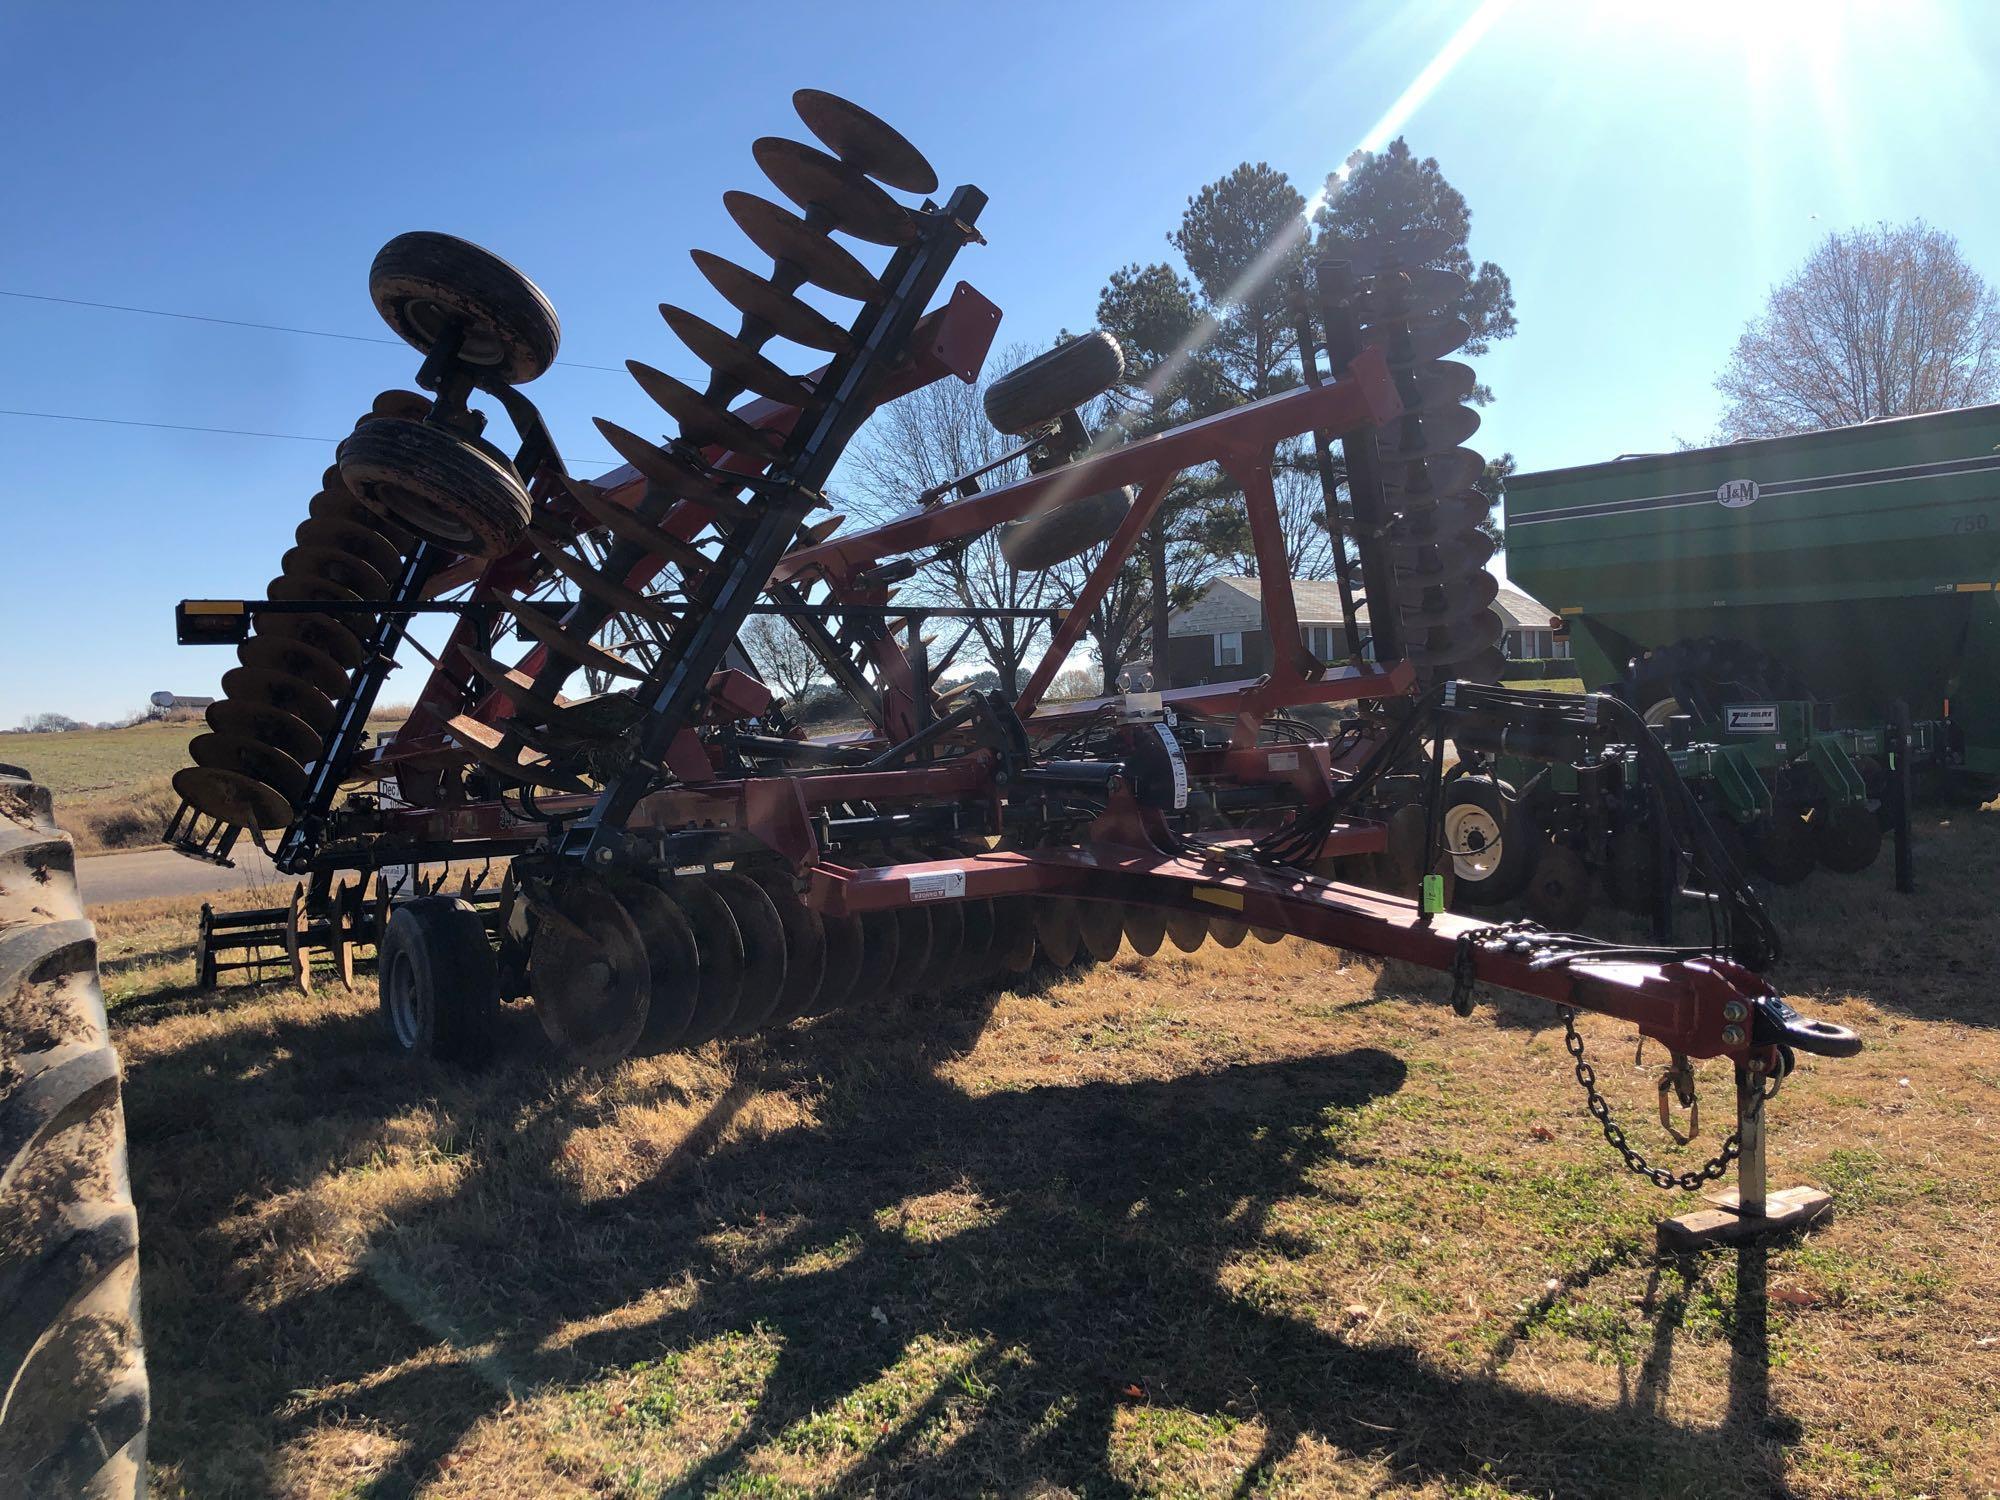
point(1517, 844)
point(73, 1392)
point(1069, 530)
point(1846, 837)
point(1050, 384)
point(420, 280)
point(1702, 675)
point(436, 946)
point(443, 488)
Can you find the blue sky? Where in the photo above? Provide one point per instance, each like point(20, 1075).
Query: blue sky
point(1643, 171)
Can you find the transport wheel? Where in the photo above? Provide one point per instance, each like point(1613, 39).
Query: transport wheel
point(440, 986)
point(443, 488)
point(1050, 384)
point(1846, 837)
point(1559, 888)
point(1781, 847)
point(1488, 841)
point(422, 283)
point(73, 1392)
point(1065, 531)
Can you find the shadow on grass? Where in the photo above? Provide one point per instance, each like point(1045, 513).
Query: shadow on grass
point(1112, 1216)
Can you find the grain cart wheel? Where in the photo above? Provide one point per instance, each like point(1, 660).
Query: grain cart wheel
point(1489, 841)
point(423, 283)
point(73, 1395)
point(1050, 384)
point(1066, 530)
point(439, 983)
point(442, 487)
point(1846, 837)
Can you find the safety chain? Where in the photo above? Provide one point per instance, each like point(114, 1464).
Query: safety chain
point(1660, 1177)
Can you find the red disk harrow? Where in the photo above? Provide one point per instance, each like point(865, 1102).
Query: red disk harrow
point(682, 863)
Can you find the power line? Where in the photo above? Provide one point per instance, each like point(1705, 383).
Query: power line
point(314, 333)
point(289, 437)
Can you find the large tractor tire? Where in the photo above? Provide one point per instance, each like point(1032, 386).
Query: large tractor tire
point(73, 1396)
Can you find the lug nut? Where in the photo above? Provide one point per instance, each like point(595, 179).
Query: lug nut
point(1734, 1010)
point(1732, 1036)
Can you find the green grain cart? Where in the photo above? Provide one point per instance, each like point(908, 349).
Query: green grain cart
point(1856, 566)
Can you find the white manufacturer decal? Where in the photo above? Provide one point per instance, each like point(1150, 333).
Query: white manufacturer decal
point(1736, 493)
point(1750, 718)
point(1174, 759)
point(1284, 760)
point(944, 885)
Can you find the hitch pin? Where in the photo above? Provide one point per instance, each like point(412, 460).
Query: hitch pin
point(1679, 1081)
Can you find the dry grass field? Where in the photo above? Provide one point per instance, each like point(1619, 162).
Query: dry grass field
point(1257, 1222)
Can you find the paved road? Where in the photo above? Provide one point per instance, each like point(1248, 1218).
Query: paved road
point(142, 873)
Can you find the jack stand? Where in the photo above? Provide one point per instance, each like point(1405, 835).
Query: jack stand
point(1746, 1212)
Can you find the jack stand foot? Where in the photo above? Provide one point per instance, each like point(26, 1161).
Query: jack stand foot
point(1724, 1222)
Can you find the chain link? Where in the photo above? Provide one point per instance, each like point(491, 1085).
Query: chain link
point(1660, 1177)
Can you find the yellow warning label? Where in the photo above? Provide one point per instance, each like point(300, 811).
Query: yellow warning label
point(1973, 588)
point(1216, 895)
point(214, 606)
point(1570, 609)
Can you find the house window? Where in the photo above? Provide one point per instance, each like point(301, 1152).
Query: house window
point(1559, 648)
point(1229, 648)
point(1320, 640)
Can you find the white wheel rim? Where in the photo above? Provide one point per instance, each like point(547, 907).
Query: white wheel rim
point(1659, 713)
point(400, 985)
point(1474, 838)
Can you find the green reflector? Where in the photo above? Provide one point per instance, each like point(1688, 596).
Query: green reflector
point(1433, 894)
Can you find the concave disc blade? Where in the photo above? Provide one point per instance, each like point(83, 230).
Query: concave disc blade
point(763, 936)
point(703, 422)
point(1419, 290)
point(733, 359)
point(805, 945)
point(1446, 473)
point(335, 502)
point(862, 140)
point(1187, 930)
point(753, 296)
point(231, 797)
point(1102, 926)
point(845, 943)
point(671, 959)
point(1145, 928)
point(321, 632)
point(667, 470)
point(787, 238)
point(272, 653)
point(287, 694)
point(269, 726)
point(364, 543)
point(812, 179)
point(719, 952)
point(881, 940)
point(1058, 930)
point(252, 758)
point(1443, 429)
point(913, 949)
point(335, 567)
point(1014, 940)
point(590, 977)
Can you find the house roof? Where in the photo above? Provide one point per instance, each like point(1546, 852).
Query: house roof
point(1238, 604)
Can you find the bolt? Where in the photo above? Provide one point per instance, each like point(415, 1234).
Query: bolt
point(605, 856)
point(1732, 1036)
point(1734, 1010)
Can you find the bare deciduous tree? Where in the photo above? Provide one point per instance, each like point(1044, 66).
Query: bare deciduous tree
point(1882, 322)
point(782, 659)
point(927, 439)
